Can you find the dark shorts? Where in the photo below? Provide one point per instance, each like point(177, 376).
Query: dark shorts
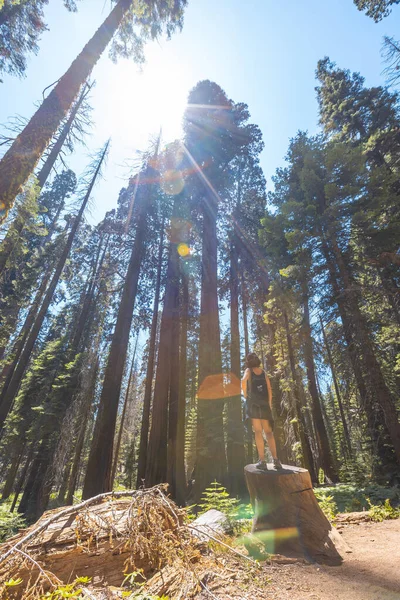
point(263, 412)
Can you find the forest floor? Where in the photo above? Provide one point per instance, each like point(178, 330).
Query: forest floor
point(370, 572)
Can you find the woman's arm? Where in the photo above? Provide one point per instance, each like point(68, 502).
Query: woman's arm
point(269, 390)
point(244, 382)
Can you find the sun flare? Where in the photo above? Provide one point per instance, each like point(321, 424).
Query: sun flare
point(135, 117)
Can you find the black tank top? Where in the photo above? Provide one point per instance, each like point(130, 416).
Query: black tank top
point(258, 389)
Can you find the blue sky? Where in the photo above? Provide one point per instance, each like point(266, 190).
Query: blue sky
point(261, 52)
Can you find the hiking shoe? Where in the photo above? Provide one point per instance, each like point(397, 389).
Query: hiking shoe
point(277, 464)
point(262, 465)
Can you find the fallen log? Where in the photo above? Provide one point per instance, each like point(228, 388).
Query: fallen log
point(288, 518)
point(101, 541)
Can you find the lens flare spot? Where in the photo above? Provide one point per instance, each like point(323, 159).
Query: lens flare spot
point(172, 182)
point(183, 250)
point(217, 387)
point(179, 230)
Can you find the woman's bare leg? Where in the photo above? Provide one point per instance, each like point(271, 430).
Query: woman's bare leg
point(270, 437)
point(258, 432)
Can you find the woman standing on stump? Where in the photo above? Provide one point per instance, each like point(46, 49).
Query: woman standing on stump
point(256, 388)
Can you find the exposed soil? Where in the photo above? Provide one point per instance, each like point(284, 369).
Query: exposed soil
point(370, 572)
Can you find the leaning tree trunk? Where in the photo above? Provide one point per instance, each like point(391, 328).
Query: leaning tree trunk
point(98, 474)
point(305, 442)
point(326, 457)
point(288, 519)
point(235, 429)
point(144, 430)
point(22, 157)
point(7, 400)
point(210, 450)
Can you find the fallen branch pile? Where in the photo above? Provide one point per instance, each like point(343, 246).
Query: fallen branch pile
point(110, 536)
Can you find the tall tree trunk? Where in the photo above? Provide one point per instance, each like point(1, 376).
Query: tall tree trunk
point(305, 443)
point(8, 243)
point(59, 143)
point(210, 448)
point(12, 389)
point(22, 157)
point(124, 409)
point(376, 424)
point(249, 432)
point(144, 430)
point(337, 392)
point(181, 429)
point(392, 293)
point(235, 429)
point(370, 363)
point(9, 367)
point(174, 416)
point(156, 469)
point(98, 474)
point(19, 450)
point(326, 458)
point(279, 411)
point(82, 426)
point(23, 475)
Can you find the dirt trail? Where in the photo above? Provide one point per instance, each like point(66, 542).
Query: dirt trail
point(370, 572)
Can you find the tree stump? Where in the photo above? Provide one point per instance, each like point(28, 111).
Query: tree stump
point(288, 519)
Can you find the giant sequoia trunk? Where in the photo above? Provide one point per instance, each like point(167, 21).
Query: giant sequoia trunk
point(144, 431)
point(12, 389)
point(210, 450)
point(22, 157)
point(235, 429)
point(326, 458)
point(98, 474)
